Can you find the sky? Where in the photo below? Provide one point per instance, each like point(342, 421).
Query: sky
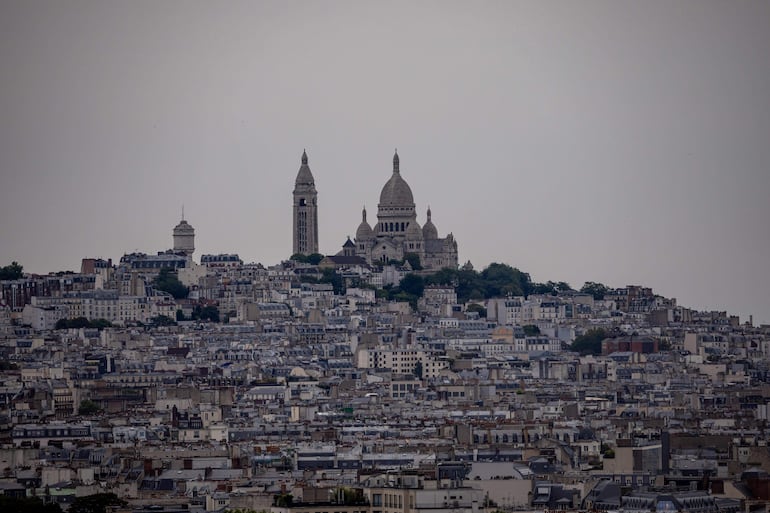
point(623, 142)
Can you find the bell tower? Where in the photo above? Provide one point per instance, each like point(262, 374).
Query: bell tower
point(305, 225)
point(184, 238)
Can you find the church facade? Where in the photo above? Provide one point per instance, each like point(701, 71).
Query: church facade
point(398, 233)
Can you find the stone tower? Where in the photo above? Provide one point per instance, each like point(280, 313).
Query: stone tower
point(184, 238)
point(305, 211)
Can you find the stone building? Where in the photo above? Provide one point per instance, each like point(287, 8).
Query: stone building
point(305, 224)
point(184, 238)
point(398, 233)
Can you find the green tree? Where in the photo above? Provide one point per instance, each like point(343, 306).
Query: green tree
point(12, 271)
point(597, 290)
point(531, 330)
point(299, 257)
point(97, 503)
point(418, 369)
point(179, 315)
point(76, 323)
point(502, 279)
point(100, 324)
point(314, 258)
point(496, 280)
point(349, 496)
point(167, 281)
point(412, 284)
point(543, 288)
point(162, 320)
point(590, 342)
point(81, 322)
point(88, 407)
point(332, 276)
point(206, 313)
point(406, 297)
point(414, 261)
point(470, 285)
point(475, 307)
point(444, 276)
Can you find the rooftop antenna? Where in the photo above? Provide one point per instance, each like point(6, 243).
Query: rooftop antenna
point(182, 211)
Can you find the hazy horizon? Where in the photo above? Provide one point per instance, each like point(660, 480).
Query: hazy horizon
point(618, 142)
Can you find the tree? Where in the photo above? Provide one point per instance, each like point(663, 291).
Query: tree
point(167, 281)
point(76, 323)
point(97, 503)
point(470, 285)
point(502, 279)
point(100, 324)
point(88, 407)
point(179, 315)
point(12, 271)
point(418, 369)
point(162, 320)
point(314, 258)
point(590, 342)
point(475, 307)
point(531, 330)
point(543, 288)
point(330, 275)
point(405, 297)
point(299, 257)
point(412, 284)
point(81, 322)
point(348, 496)
point(414, 261)
point(444, 276)
point(206, 313)
point(597, 290)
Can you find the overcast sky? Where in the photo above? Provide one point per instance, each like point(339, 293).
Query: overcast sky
point(621, 142)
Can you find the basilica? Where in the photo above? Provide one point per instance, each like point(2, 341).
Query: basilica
point(396, 233)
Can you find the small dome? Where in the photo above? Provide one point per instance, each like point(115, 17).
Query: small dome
point(183, 228)
point(364, 231)
point(429, 230)
point(413, 232)
point(396, 192)
point(304, 176)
